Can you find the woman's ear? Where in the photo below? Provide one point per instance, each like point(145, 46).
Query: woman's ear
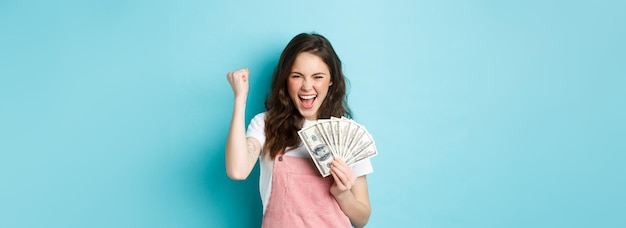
point(331, 83)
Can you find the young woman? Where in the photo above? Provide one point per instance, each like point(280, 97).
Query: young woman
point(308, 84)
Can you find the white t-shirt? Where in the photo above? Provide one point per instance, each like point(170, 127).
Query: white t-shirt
point(256, 129)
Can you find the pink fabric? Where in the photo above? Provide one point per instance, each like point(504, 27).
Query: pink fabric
point(301, 197)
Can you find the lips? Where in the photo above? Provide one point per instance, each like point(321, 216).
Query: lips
point(307, 100)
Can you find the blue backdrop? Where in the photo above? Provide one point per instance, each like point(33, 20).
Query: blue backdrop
point(486, 113)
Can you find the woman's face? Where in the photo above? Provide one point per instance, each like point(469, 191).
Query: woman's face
point(308, 84)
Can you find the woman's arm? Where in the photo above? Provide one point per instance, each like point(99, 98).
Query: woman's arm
point(241, 152)
point(351, 193)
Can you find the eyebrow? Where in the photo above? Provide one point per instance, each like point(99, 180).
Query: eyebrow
point(318, 73)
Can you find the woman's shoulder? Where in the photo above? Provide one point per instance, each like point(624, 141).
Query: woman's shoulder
point(258, 119)
point(259, 116)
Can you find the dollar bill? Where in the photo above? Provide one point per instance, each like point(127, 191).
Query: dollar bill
point(325, 129)
point(318, 148)
point(340, 138)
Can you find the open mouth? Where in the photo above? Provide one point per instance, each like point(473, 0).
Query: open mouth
point(307, 101)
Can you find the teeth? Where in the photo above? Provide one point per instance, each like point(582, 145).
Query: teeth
point(308, 97)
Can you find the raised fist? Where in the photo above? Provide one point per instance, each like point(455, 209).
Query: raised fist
point(238, 80)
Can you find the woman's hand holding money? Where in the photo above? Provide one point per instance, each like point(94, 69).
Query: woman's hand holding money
point(344, 177)
point(350, 192)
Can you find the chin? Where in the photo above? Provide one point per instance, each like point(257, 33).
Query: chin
point(308, 114)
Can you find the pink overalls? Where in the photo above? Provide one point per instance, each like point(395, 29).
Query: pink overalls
point(300, 197)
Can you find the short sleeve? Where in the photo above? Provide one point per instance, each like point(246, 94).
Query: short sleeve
point(363, 168)
point(256, 128)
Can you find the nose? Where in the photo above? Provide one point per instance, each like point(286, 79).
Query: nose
point(306, 84)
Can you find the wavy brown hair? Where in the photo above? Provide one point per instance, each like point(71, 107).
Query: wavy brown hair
point(283, 120)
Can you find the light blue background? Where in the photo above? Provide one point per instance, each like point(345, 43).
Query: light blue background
point(486, 113)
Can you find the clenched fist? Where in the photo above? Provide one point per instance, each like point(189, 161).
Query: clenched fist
point(238, 80)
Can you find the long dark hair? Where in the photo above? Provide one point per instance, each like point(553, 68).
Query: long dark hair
point(283, 120)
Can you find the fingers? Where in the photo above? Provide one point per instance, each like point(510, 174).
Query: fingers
point(343, 175)
point(242, 74)
point(238, 80)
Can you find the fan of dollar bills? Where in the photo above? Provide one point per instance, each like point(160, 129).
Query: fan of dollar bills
point(337, 138)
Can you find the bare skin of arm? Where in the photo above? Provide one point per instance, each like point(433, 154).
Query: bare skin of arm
point(351, 193)
point(241, 152)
